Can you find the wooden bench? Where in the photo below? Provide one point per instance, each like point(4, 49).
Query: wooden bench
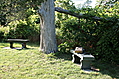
point(23, 41)
point(83, 59)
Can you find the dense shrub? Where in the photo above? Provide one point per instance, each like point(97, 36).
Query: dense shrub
point(3, 32)
point(68, 34)
point(108, 44)
point(27, 28)
point(1, 36)
point(101, 38)
point(23, 29)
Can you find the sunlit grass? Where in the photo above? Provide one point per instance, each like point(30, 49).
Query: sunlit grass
point(32, 64)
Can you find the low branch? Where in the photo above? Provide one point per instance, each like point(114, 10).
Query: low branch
point(58, 9)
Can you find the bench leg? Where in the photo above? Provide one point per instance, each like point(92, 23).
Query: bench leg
point(86, 64)
point(11, 45)
point(76, 59)
point(24, 45)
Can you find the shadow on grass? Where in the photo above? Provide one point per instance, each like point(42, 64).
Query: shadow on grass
point(105, 68)
point(67, 56)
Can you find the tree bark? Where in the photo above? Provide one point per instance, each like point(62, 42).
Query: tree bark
point(47, 21)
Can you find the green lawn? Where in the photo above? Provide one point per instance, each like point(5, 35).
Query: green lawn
point(32, 64)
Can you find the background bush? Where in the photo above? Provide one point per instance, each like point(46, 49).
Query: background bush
point(101, 38)
point(1, 36)
point(27, 28)
point(3, 32)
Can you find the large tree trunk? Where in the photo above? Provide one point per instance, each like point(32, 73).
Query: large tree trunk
point(47, 20)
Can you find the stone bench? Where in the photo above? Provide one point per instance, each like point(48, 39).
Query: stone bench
point(23, 41)
point(83, 59)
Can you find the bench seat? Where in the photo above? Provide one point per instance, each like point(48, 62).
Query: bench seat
point(23, 41)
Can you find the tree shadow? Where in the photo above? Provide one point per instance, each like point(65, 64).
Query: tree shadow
point(65, 56)
point(105, 68)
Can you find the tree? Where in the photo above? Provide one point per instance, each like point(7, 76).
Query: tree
point(46, 12)
point(47, 19)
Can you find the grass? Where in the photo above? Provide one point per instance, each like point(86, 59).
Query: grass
point(32, 64)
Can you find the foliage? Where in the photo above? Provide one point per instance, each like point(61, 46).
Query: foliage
point(1, 35)
point(67, 34)
point(98, 37)
point(16, 9)
point(3, 19)
point(25, 28)
point(63, 23)
point(3, 32)
point(108, 43)
point(32, 64)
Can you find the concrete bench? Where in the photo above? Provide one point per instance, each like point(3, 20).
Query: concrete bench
point(23, 41)
point(83, 59)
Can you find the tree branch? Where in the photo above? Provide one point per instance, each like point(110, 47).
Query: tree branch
point(58, 9)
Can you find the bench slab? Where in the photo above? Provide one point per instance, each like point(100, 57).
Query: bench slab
point(18, 40)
